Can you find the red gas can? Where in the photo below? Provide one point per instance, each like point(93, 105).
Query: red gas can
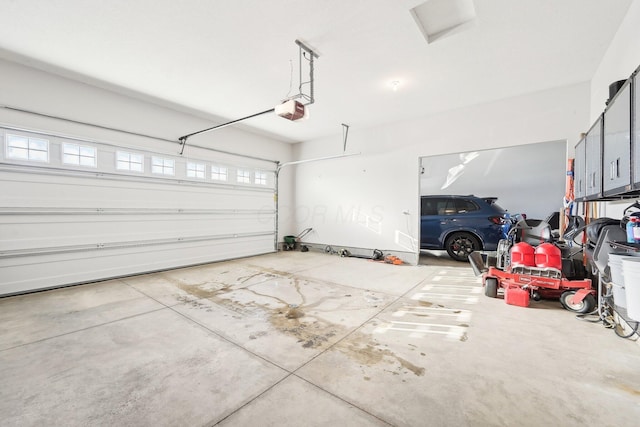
point(548, 255)
point(523, 253)
point(516, 296)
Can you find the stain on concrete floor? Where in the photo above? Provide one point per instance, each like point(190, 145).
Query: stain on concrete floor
point(286, 317)
point(368, 352)
point(294, 318)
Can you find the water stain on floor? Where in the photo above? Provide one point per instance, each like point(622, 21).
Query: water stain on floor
point(287, 318)
point(629, 389)
point(365, 351)
point(204, 291)
point(293, 312)
point(417, 370)
point(310, 332)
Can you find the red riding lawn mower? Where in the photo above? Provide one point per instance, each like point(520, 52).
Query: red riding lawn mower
point(533, 263)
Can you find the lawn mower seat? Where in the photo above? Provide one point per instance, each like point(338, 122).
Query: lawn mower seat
point(598, 253)
point(595, 228)
point(536, 232)
point(553, 219)
point(575, 226)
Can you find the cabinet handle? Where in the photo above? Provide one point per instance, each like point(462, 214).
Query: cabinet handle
point(614, 169)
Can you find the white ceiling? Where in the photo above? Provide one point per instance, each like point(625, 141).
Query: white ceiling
point(233, 58)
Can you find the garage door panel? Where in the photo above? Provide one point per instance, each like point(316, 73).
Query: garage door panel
point(52, 190)
point(65, 269)
point(24, 232)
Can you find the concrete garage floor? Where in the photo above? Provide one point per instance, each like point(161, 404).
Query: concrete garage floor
point(307, 339)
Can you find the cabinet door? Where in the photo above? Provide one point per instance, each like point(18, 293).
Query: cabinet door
point(616, 167)
point(636, 131)
point(593, 161)
point(579, 175)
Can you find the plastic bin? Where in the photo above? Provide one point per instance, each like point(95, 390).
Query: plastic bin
point(617, 279)
point(631, 273)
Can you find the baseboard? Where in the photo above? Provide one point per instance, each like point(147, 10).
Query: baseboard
point(336, 250)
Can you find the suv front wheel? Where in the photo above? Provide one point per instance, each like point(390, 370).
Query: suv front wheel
point(460, 245)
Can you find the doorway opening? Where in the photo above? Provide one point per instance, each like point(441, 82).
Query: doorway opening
point(527, 179)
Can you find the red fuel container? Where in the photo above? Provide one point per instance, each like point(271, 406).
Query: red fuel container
point(516, 296)
point(548, 256)
point(523, 253)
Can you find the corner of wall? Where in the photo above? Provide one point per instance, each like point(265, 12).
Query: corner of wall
point(619, 61)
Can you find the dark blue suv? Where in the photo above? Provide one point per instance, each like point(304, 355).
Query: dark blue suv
point(460, 224)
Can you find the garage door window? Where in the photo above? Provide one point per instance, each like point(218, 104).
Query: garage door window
point(162, 166)
point(244, 177)
point(26, 148)
point(80, 155)
point(218, 173)
point(195, 170)
point(260, 178)
point(129, 161)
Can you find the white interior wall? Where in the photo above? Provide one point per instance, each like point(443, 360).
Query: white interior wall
point(527, 179)
point(359, 201)
point(32, 89)
point(620, 60)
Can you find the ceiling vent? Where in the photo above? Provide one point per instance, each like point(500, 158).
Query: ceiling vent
point(439, 18)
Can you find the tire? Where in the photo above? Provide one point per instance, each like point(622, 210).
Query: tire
point(587, 305)
point(459, 245)
point(491, 287)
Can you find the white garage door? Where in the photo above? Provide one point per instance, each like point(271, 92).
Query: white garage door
point(74, 211)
